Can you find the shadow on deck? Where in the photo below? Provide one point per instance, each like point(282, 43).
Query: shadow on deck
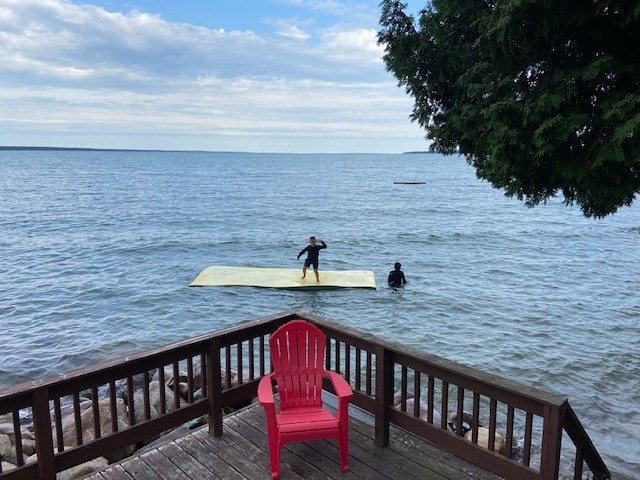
point(242, 453)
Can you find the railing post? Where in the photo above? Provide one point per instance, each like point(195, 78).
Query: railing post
point(384, 395)
point(44, 436)
point(214, 388)
point(551, 441)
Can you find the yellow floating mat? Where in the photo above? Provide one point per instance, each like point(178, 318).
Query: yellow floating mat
point(282, 278)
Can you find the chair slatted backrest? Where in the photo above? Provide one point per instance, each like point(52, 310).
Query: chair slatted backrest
point(297, 353)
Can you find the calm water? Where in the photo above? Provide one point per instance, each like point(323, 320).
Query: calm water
point(96, 250)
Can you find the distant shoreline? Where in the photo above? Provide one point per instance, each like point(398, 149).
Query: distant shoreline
point(87, 149)
point(426, 152)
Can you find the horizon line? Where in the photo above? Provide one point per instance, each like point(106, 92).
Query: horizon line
point(24, 147)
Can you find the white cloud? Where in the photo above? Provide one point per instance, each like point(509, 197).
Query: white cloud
point(353, 45)
point(72, 38)
point(114, 74)
point(290, 28)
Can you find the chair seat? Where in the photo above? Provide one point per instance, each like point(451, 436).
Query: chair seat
point(307, 422)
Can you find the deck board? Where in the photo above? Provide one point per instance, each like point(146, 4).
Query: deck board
point(242, 453)
point(115, 472)
point(198, 445)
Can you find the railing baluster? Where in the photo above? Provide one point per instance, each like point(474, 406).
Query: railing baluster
point(96, 412)
point(57, 415)
point(416, 393)
point(444, 405)
point(145, 396)
point(476, 418)
point(227, 366)
point(460, 412)
point(430, 394)
point(493, 404)
point(528, 429)
point(76, 416)
point(262, 356)
point(251, 360)
point(358, 372)
point(131, 401)
point(176, 385)
point(204, 374)
point(368, 374)
point(509, 439)
point(112, 406)
point(403, 388)
point(239, 364)
point(347, 362)
point(18, 437)
point(327, 354)
point(163, 396)
point(189, 379)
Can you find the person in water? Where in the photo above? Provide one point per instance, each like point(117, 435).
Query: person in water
point(313, 252)
point(396, 276)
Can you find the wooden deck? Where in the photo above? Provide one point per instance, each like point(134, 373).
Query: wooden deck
point(241, 453)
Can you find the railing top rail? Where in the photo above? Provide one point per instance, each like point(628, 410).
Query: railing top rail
point(470, 373)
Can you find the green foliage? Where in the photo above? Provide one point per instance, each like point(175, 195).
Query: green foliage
point(541, 97)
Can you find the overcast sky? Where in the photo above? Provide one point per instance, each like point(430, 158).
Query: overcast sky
point(239, 75)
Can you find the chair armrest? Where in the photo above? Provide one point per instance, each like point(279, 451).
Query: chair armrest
point(344, 394)
point(265, 391)
point(340, 385)
point(265, 397)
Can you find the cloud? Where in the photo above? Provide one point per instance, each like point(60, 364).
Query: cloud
point(290, 28)
point(359, 45)
point(118, 73)
point(60, 40)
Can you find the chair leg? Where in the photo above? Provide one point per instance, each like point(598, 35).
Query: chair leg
point(344, 449)
point(274, 457)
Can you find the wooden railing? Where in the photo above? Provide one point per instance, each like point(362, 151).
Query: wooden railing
point(110, 408)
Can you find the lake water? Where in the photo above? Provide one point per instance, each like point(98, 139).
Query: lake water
point(97, 249)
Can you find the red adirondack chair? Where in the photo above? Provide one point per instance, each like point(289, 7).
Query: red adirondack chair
point(297, 354)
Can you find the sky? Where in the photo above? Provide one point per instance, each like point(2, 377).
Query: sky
point(300, 76)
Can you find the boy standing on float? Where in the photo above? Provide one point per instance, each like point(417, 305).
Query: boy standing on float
point(313, 252)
